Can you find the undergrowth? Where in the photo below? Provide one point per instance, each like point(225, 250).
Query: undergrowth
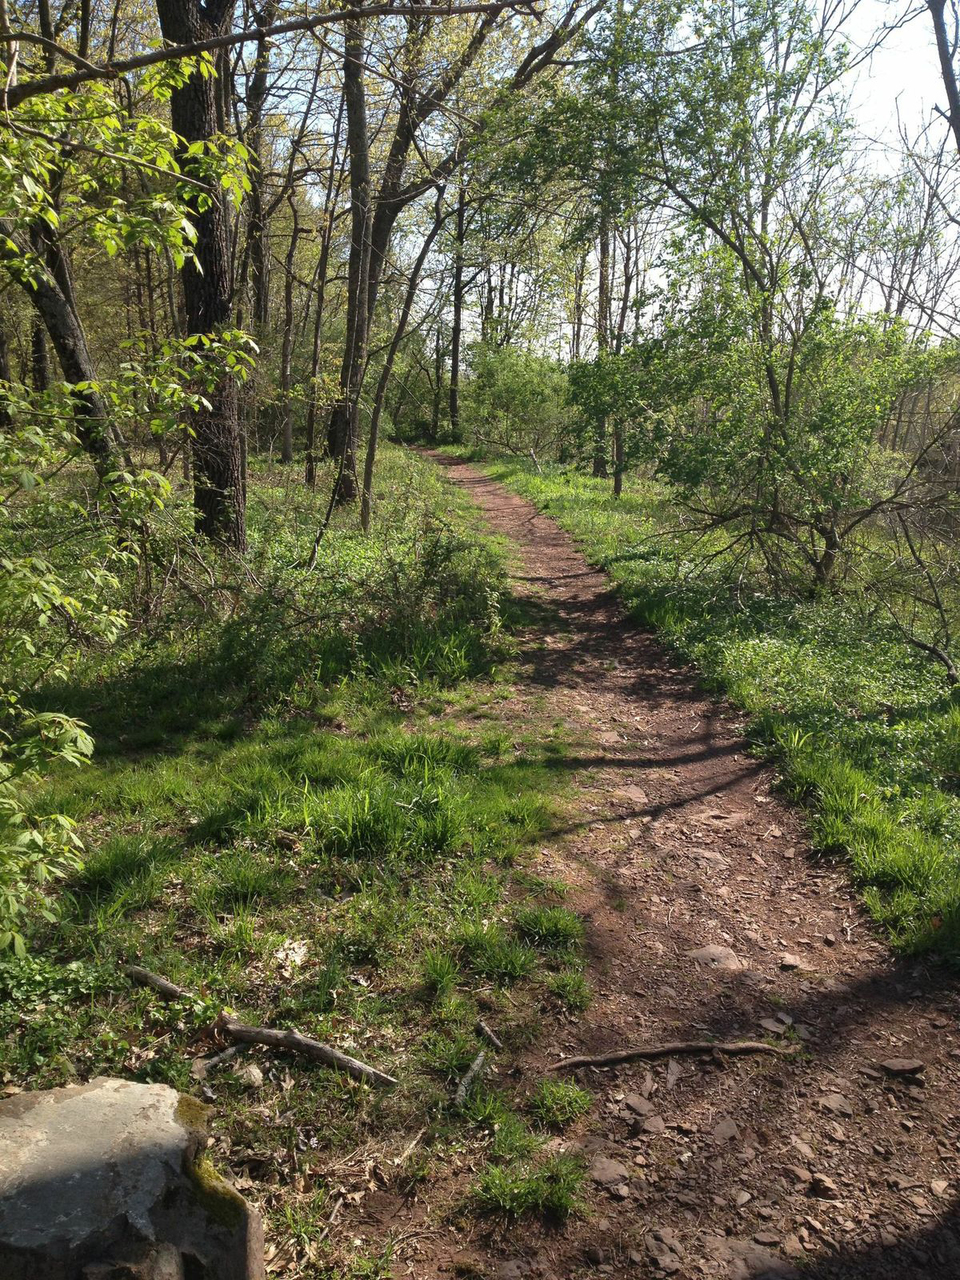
point(317, 817)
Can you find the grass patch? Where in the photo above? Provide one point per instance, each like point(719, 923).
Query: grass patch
point(549, 928)
point(865, 730)
point(557, 1103)
point(299, 821)
point(550, 1189)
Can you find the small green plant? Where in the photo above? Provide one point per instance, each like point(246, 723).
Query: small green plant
point(440, 971)
point(557, 1103)
point(549, 928)
point(491, 954)
point(571, 989)
point(550, 1189)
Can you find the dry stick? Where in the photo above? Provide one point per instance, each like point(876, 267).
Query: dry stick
point(465, 1085)
point(292, 1040)
point(200, 1068)
point(168, 990)
point(667, 1050)
point(488, 1034)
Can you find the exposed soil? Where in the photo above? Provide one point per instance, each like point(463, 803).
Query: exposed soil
point(828, 1165)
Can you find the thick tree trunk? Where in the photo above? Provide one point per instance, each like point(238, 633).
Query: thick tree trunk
point(219, 480)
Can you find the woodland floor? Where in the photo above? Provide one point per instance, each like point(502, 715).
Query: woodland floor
point(827, 1165)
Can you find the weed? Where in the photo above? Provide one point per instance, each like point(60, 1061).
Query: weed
point(571, 989)
point(557, 1103)
point(550, 1189)
point(549, 928)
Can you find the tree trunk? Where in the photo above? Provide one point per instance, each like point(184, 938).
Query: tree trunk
point(219, 480)
point(344, 428)
point(456, 334)
point(51, 293)
point(603, 340)
point(286, 352)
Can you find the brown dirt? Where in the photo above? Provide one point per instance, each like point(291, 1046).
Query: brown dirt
point(680, 842)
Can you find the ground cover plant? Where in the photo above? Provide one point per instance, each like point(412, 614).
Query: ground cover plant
point(865, 729)
point(326, 830)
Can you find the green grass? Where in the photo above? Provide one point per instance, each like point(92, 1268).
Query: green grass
point(865, 730)
point(549, 1189)
point(557, 1103)
point(320, 823)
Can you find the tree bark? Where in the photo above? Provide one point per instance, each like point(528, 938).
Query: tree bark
point(344, 429)
point(456, 333)
point(603, 339)
point(219, 479)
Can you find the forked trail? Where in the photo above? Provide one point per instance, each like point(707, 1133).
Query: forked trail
point(830, 1165)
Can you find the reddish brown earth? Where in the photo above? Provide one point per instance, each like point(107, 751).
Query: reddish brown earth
point(824, 1166)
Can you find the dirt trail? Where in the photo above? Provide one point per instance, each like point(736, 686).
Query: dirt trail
point(830, 1166)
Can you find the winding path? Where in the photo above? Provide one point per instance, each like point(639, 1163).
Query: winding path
point(749, 1166)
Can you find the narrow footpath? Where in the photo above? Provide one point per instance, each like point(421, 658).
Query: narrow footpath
point(707, 917)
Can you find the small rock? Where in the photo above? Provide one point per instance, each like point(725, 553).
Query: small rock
point(792, 1247)
point(823, 1188)
point(595, 1255)
point(654, 1124)
point(939, 1187)
point(638, 1105)
point(767, 1238)
point(714, 956)
point(608, 1173)
point(830, 939)
point(836, 1103)
point(797, 1171)
point(726, 1130)
point(743, 1197)
point(902, 1066)
point(790, 961)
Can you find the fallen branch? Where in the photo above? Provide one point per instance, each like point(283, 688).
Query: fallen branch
point(273, 1039)
point(297, 1043)
point(668, 1050)
point(169, 990)
point(466, 1084)
point(489, 1035)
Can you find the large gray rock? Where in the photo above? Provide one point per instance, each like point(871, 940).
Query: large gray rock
point(109, 1181)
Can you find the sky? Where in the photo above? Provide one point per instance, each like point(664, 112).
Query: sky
point(905, 71)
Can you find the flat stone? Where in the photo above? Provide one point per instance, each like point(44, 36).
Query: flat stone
point(714, 956)
point(608, 1173)
point(836, 1103)
point(639, 1105)
point(111, 1178)
point(725, 1130)
point(902, 1066)
point(790, 961)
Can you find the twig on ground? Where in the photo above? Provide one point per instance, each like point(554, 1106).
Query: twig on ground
point(667, 1050)
point(489, 1035)
point(168, 990)
point(297, 1043)
point(466, 1084)
point(409, 1148)
point(200, 1068)
point(273, 1039)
